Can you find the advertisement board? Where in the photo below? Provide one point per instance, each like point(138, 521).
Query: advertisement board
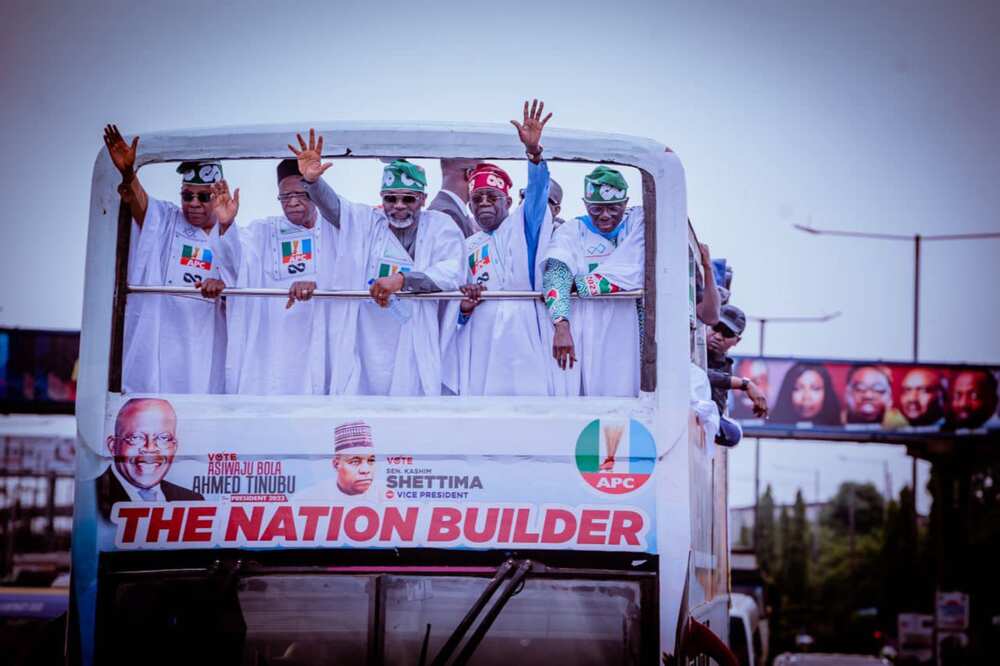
point(38, 371)
point(868, 400)
point(173, 478)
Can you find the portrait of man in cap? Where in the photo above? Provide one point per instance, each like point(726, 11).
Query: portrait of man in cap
point(143, 447)
point(353, 464)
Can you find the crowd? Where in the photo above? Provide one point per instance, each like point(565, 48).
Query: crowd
point(470, 238)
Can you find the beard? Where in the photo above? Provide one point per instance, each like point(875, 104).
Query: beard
point(406, 222)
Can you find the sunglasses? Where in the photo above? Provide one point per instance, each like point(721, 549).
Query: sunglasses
point(203, 197)
point(292, 196)
point(724, 331)
point(391, 199)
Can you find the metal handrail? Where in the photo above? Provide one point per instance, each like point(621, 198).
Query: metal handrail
point(326, 293)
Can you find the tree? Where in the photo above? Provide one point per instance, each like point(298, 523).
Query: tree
point(856, 509)
point(765, 545)
point(795, 552)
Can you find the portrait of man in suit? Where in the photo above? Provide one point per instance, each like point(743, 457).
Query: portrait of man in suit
point(143, 447)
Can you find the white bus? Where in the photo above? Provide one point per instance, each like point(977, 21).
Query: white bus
point(488, 534)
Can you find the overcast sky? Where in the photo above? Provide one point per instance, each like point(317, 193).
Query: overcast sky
point(878, 116)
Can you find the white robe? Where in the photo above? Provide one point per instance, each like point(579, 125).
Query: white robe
point(390, 357)
point(173, 344)
point(501, 349)
point(273, 349)
point(605, 332)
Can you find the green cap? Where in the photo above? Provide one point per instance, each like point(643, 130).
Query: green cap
point(604, 185)
point(200, 173)
point(403, 175)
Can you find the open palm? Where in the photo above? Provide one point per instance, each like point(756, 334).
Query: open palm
point(122, 154)
point(310, 156)
point(529, 130)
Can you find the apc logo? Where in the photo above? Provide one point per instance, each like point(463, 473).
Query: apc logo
point(615, 457)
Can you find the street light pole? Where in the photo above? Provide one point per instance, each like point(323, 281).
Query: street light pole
point(917, 239)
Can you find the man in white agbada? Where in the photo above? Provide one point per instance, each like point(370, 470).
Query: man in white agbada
point(173, 344)
point(500, 347)
point(596, 342)
point(398, 247)
point(275, 348)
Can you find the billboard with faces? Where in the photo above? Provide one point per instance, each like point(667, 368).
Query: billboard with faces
point(817, 399)
point(38, 371)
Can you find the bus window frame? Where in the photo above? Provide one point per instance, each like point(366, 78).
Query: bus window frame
point(647, 347)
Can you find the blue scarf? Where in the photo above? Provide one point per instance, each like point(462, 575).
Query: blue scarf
point(608, 235)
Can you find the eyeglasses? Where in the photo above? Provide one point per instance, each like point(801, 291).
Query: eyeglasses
point(724, 330)
point(138, 439)
point(553, 202)
point(292, 196)
point(391, 199)
point(203, 197)
point(487, 196)
point(596, 210)
point(878, 389)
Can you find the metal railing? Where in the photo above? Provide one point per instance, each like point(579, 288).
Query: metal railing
point(363, 294)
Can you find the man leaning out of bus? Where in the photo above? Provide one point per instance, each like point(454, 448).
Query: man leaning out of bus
point(173, 344)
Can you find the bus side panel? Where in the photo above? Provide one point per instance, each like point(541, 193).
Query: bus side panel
point(673, 380)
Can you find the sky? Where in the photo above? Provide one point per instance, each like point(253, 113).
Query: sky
point(877, 116)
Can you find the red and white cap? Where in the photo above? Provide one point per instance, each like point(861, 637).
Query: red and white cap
point(489, 175)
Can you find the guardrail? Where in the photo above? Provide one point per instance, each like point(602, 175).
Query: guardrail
point(325, 293)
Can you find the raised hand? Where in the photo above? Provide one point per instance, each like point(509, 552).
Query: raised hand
point(529, 130)
point(310, 156)
point(226, 206)
point(122, 154)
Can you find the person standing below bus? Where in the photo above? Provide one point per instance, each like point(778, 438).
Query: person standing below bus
point(173, 344)
point(596, 343)
point(395, 247)
point(275, 348)
point(499, 348)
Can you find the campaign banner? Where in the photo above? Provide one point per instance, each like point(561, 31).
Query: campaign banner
point(176, 477)
point(868, 400)
point(38, 371)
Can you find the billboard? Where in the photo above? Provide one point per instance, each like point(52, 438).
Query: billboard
point(868, 400)
point(38, 371)
point(175, 478)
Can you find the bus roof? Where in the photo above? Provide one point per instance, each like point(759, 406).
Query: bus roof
point(395, 139)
